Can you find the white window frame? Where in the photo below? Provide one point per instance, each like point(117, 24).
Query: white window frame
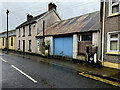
point(113, 4)
point(30, 30)
point(18, 44)
point(109, 39)
point(19, 32)
point(30, 43)
point(24, 31)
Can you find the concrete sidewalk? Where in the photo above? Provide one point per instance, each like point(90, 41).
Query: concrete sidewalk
point(104, 72)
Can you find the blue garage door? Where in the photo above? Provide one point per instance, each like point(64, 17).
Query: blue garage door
point(63, 46)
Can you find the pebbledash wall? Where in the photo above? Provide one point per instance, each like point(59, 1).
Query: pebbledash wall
point(112, 27)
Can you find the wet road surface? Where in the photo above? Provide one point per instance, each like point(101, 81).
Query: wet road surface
point(26, 71)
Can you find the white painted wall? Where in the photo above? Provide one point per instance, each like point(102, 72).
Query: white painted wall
point(95, 38)
point(96, 41)
point(75, 46)
point(51, 43)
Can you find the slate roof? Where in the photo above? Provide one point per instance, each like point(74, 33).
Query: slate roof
point(30, 21)
point(84, 23)
point(10, 33)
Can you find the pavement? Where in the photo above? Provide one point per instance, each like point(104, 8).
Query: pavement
point(104, 72)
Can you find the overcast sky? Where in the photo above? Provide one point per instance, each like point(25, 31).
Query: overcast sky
point(65, 8)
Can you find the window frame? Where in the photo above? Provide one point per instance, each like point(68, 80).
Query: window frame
point(23, 31)
point(109, 39)
point(19, 32)
point(30, 43)
point(18, 44)
point(30, 30)
point(80, 37)
point(111, 7)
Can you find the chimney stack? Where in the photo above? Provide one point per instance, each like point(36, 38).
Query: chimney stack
point(51, 6)
point(29, 17)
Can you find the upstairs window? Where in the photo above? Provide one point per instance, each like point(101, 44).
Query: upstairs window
point(19, 32)
point(114, 7)
point(23, 31)
point(29, 30)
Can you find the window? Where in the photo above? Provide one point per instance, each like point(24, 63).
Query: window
point(19, 32)
point(114, 7)
point(29, 45)
point(113, 42)
point(29, 30)
point(19, 44)
point(11, 41)
point(86, 37)
point(3, 41)
point(23, 31)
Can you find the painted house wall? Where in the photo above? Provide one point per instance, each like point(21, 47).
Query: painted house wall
point(112, 23)
point(1, 43)
point(75, 46)
point(51, 44)
point(36, 29)
point(26, 38)
point(49, 19)
point(14, 43)
point(96, 41)
point(9, 43)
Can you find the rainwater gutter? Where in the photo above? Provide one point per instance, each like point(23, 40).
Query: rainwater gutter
point(103, 29)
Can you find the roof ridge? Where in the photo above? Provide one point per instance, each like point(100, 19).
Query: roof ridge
point(32, 19)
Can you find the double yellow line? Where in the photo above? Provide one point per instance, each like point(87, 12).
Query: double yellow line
point(100, 79)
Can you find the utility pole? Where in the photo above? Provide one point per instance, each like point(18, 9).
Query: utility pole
point(43, 29)
point(7, 29)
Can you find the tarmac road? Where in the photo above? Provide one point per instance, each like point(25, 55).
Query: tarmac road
point(18, 72)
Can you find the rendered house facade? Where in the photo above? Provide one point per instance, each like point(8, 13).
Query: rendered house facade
point(27, 31)
point(11, 40)
point(111, 32)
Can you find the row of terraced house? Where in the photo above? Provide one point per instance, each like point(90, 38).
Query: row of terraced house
point(91, 37)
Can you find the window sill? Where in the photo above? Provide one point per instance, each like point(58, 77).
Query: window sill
point(113, 15)
point(113, 53)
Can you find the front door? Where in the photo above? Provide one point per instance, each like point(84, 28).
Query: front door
point(23, 45)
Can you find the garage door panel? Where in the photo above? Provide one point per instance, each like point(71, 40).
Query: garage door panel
point(58, 46)
point(68, 46)
point(63, 46)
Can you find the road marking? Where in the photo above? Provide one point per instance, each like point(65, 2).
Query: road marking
point(24, 74)
point(3, 60)
point(100, 79)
